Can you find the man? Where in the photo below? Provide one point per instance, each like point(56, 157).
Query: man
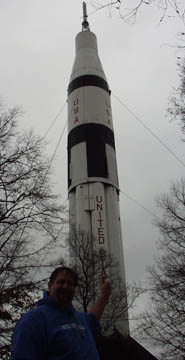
point(54, 330)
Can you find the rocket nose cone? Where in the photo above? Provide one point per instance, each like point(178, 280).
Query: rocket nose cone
point(86, 39)
point(87, 61)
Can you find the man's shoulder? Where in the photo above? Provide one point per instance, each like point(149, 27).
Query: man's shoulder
point(35, 315)
point(86, 315)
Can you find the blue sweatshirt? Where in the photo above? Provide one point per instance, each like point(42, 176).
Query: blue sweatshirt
point(48, 333)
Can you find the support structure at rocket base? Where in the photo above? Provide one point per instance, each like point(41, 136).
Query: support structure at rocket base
point(92, 170)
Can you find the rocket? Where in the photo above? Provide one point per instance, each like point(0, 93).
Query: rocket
point(93, 187)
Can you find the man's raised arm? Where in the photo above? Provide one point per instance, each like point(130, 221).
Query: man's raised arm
point(98, 308)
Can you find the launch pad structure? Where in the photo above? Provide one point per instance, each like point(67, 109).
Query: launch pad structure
point(93, 187)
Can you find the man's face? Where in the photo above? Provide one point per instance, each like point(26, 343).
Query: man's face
point(62, 290)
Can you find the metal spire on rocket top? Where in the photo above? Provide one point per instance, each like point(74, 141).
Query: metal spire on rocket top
point(92, 169)
point(85, 24)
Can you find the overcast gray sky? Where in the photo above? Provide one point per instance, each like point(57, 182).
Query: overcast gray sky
point(37, 53)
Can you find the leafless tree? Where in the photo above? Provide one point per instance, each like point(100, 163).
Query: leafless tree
point(86, 260)
point(128, 10)
point(164, 323)
point(177, 100)
point(30, 221)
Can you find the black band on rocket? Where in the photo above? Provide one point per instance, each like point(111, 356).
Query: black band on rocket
point(95, 136)
point(88, 80)
point(91, 132)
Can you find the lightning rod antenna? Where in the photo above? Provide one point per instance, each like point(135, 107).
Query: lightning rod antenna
point(85, 24)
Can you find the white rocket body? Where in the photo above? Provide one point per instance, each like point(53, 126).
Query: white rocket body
point(92, 170)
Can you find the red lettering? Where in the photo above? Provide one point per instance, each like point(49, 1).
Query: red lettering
point(99, 200)
point(100, 231)
point(75, 102)
point(101, 240)
point(76, 119)
point(108, 112)
point(76, 110)
point(103, 273)
point(102, 253)
point(108, 105)
point(102, 263)
point(99, 207)
point(100, 222)
point(100, 215)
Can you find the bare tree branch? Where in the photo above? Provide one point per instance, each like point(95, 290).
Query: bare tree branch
point(30, 222)
point(164, 323)
point(86, 260)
